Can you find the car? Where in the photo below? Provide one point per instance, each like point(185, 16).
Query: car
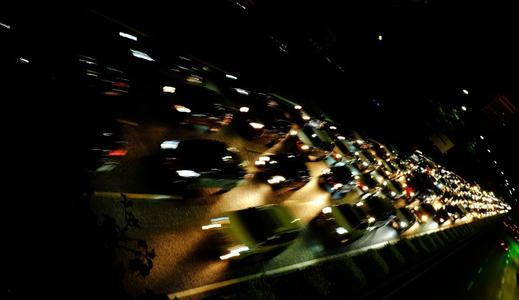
point(339, 224)
point(367, 183)
point(424, 212)
point(201, 163)
point(256, 232)
point(441, 216)
point(337, 180)
point(404, 219)
point(199, 107)
point(378, 208)
point(456, 212)
point(393, 189)
point(106, 146)
point(282, 171)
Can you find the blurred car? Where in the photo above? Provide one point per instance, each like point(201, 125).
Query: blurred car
point(339, 224)
point(366, 160)
point(379, 209)
point(199, 106)
point(393, 189)
point(254, 232)
point(424, 212)
point(337, 180)
point(441, 216)
point(201, 163)
point(404, 219)
point(366, 183)
point(293, 143)
point(456, 212)
point(106, 146)
point(282, 171)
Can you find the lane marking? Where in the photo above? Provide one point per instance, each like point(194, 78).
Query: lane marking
point(137, 196)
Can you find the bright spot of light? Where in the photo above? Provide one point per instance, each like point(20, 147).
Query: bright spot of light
point(141, 55)
point(168, 89)
point(231, 76)
point(182, 109)
point(169, 144)
point(379, 37)
point(341, 138)
point(464, 108)
point(187, 173)
point(210, 226)
point(327, 210)
point(256, 125)
point(241, 91)
point(128, 36)
point(341, 230)
point(5, 25)
point(244, 109)
point(298, 107)
point(481, 137)
point(466, 92)
point(23, 60)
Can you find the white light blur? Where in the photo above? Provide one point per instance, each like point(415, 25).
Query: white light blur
point(227, 158)
point(371, 219)
point(327, 210)
point(256, 125)
point(341, 138)
point(403, 224)
point(481, 137)
point(168, 89)
point(306, 117)
point(488, 150)
point(169, 144)
point(293, 132)
point(5, 25)
point(244, 109)
point(23, 60)
point(466, 92)
point(298, 107)
point(276, 179)
point(188, 173)
point(305, 147)
point(332, 127)
point(182, 109)
point(128, 36)
point(141, 55)
point(210, 226)
point(341, 230)
point(464, 108)
point(314, 135)
point(379, 37)
point(231, 76)
point(241, 91)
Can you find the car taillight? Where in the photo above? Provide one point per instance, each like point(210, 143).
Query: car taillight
point(118, 152)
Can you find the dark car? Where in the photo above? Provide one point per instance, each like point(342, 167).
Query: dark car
point(199, 106)
point(456, 212)
point(441, 216)
point(256, 232)
point(200, 163)
point(404, 220)
point(106, 146)
point(424, 212)
point(282, 171)
point(339, 224)
point(338, 180)
point(379, 209)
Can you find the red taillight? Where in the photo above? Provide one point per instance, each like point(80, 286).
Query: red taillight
point(118, 152)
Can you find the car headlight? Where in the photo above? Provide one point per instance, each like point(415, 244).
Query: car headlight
point(188, 173)
point(326, 210)
point(341, 230)
point(371, 220)
point(276, 179)
point(256, 125)
point(337, 186)
point(234, 251)
point(403, 224)
point(182, 109)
